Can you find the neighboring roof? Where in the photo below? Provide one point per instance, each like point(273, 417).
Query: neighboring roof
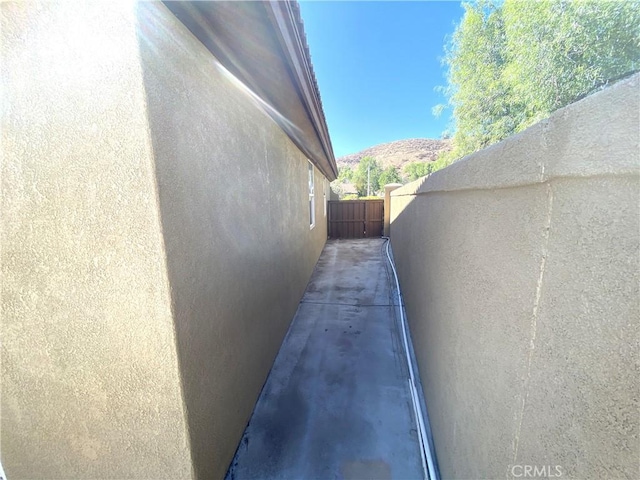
point(263, 44)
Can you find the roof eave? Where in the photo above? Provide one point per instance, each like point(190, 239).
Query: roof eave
point(293, 104)
point(285, 16)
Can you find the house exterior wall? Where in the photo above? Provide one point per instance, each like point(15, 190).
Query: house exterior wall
point(233, 192)
point(155, 245)
point(519, 268)
point(90, 379)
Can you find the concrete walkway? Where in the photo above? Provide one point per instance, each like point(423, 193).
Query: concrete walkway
point(336, 404)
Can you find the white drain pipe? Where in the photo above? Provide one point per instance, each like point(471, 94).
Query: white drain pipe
point(425, 450)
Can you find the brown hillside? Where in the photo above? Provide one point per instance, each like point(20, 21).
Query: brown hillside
point(399, 153)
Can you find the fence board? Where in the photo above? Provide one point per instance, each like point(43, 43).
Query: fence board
point(356, 218)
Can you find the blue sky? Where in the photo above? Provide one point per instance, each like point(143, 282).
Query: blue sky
point(377, 64)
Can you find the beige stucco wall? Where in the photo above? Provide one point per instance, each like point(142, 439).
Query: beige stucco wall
point(155, 244)
point(233, 195)
point(519, 267)
point(90, 380)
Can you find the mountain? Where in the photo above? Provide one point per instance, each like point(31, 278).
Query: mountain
point(399, 153)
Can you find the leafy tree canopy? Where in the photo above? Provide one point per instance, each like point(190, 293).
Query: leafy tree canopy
point(512, 63)
point(367, 175)
point(389, 175)
point(415, 170)
point(345, 174)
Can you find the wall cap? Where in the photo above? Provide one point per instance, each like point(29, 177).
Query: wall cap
point(596, 136)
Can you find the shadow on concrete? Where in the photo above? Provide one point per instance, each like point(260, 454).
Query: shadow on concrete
point(337, 403)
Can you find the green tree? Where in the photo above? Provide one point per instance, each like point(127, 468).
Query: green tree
point(345, 174)
point(561, 50)
point(389, 175)
point(367, 174)
point(483, 109)
point(513, 63)
point(415, 170)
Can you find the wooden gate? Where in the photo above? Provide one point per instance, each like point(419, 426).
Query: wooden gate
point(356, 218)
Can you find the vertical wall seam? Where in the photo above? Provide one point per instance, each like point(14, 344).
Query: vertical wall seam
point(534, 320)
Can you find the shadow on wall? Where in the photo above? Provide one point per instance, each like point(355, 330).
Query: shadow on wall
point(519, 270)
point(237, 266)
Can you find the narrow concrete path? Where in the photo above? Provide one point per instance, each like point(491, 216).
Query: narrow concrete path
point(336, 404)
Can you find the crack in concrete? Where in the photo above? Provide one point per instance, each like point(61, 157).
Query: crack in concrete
point(534, 321)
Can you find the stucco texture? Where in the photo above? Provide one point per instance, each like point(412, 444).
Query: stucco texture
point(519, 268)
point(233, 194)
point(155, 245)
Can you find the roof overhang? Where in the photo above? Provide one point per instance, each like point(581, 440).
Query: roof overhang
point(264, 46)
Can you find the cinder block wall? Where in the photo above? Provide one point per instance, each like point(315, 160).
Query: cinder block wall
point(519, 267)
point(155, 244)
